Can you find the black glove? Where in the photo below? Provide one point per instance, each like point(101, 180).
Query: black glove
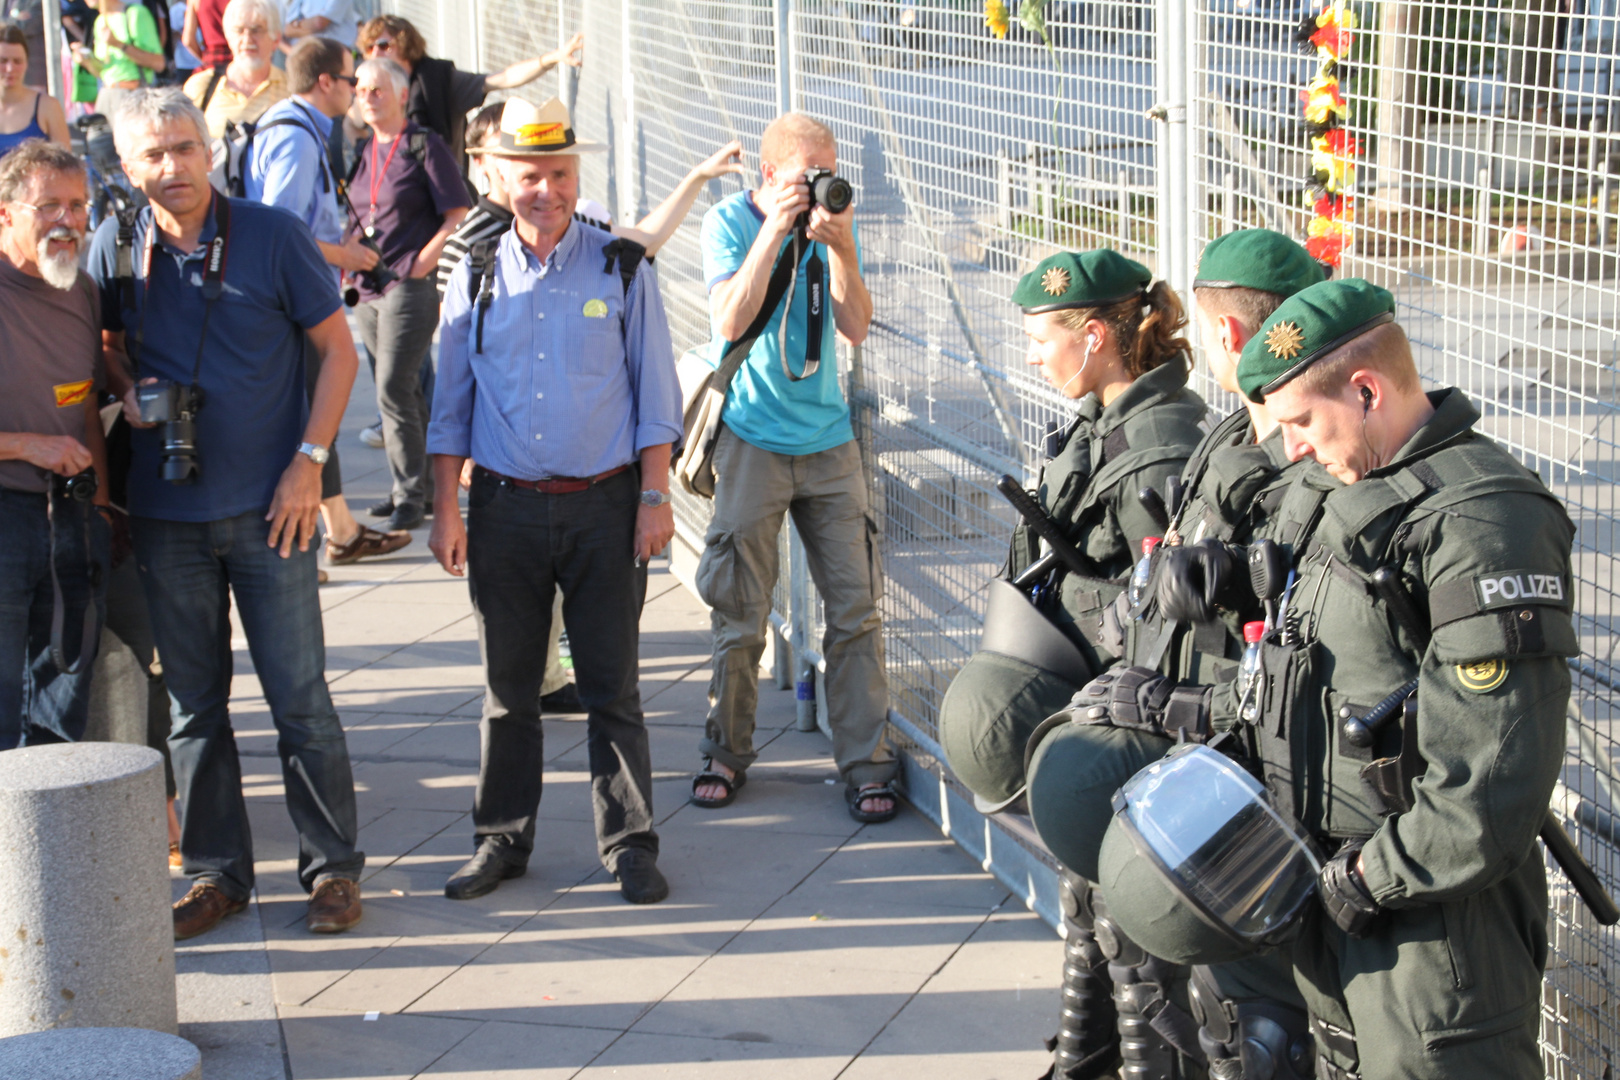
point(1344, 894)
point(1139, 697)
point(1197, 577)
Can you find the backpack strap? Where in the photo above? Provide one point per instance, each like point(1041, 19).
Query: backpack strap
point(629, 255)
point(213, 84)
point(481, 282)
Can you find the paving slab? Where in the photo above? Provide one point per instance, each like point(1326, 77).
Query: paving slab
point(796, 943)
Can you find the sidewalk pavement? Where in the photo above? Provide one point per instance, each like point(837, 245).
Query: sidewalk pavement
point(795, 943)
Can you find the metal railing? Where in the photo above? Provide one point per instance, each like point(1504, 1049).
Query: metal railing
point(1484, 198)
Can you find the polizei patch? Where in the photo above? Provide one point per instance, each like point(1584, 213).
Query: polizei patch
point(1518, 587)
point(1483, 677)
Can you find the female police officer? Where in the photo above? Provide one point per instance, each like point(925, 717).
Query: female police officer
point(1101, 331)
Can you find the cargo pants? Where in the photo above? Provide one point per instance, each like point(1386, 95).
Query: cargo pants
point(826, 494)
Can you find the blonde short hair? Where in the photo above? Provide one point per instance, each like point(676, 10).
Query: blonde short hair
point(793, 131)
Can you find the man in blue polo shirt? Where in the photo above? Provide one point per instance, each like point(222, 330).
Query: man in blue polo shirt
point(289, 166)
point(786, 445)
point(216, 296)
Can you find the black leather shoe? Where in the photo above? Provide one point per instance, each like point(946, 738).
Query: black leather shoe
point(640, 880)
point(482, 874)
point(381, 509)
point(406, 516)
point(564, 700)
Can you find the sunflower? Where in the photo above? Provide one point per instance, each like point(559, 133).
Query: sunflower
point(997, 17)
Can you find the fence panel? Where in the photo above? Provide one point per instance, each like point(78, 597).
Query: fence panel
point(1483, 196)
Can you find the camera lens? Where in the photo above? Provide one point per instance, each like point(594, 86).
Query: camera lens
point(833, 192)
point(180, 451)
point(80, 487)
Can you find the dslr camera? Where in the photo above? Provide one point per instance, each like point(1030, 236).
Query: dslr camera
point(174, 406)
point(828, 189)
point(378, 278)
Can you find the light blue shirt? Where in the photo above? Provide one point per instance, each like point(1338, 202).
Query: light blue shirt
point(289, 169)
point(577, 376)
point(764, 408)
point(345, 25)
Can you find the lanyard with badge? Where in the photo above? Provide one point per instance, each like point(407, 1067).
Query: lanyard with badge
point(376, 178)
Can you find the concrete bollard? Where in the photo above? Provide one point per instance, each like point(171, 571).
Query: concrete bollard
point(86, 934)
point(99, 1053)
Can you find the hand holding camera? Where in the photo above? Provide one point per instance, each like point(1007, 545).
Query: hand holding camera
point(378, 278)
point(174, 406)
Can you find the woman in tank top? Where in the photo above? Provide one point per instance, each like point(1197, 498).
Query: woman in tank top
point(24, 113)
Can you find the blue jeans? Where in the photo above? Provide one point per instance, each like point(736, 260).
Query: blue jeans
point(190, 570)
point(38, 702)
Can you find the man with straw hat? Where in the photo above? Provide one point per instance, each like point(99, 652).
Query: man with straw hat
point(557, 377)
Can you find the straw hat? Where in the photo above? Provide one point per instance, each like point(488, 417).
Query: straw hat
point(527, 131)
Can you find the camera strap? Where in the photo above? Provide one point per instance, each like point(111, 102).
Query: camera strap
point(815, 307)
point(213, 286)
point(89, 635)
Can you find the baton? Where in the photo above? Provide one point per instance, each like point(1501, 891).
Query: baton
point(1041, 523)
point(1580, 873)
point(1155, 506)
point(1359, 730)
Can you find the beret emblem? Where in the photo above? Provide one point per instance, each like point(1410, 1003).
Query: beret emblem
point(1055, 281)
point(1285, 340)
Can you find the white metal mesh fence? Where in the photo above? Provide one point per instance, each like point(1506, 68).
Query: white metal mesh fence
point(1485, 199)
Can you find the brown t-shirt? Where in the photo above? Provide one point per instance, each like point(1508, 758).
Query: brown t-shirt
point(50, 363)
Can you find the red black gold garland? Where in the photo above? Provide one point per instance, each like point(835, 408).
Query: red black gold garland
point(1333, 149)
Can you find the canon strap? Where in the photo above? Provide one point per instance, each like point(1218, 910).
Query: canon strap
point(213, 286)
point(815, 305)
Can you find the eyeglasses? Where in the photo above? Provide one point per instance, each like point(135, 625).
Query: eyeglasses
point(58, 212)
point(350, 79)
point(381, 45)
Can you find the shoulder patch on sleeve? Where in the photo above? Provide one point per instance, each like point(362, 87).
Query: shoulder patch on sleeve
point(1494, 590)
point(1482, 677)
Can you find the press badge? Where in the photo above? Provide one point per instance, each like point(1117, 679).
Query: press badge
point(596, 309)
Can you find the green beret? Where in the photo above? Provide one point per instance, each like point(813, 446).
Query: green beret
point(1308, 326)
point(1080, 279)
point(1257, 259)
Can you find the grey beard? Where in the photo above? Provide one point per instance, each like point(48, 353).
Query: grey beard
point(59, 271)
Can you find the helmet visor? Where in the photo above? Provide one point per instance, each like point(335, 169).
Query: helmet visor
point(1208, 825)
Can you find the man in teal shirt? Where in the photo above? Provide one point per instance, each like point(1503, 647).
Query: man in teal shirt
point(786, 446)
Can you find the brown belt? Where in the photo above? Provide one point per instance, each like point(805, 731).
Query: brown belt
point(552, 485)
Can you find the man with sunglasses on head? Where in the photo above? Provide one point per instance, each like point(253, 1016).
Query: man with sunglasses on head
point(207, 303)
point(291, 165)
point(441, 94)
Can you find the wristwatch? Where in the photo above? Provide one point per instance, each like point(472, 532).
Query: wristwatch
point(654, 497)
point(315, 452)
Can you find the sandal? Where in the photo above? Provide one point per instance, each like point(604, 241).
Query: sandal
point(854, 794)
point(709, 775)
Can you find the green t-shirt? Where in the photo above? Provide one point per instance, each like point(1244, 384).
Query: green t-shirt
point(135, 26)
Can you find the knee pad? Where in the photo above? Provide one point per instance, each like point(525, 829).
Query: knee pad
point(1155, 1034)
point(1251, 1038)
point(1087, 1043)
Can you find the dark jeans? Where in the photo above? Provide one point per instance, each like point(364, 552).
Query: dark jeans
point(521, 547)
point(38, 703)
point(190, 570)
point(398, 332)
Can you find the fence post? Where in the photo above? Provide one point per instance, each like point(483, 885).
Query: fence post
point(1003, 189)
point(801, 618)
point(567, 75)
point(784, 55)
point(1174, 169)
point(53, 50)
point(629, 165)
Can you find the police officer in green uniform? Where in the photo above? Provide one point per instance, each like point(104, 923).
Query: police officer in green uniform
point(1433, 571)
point(1101, 331)
point(1249, 1007)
